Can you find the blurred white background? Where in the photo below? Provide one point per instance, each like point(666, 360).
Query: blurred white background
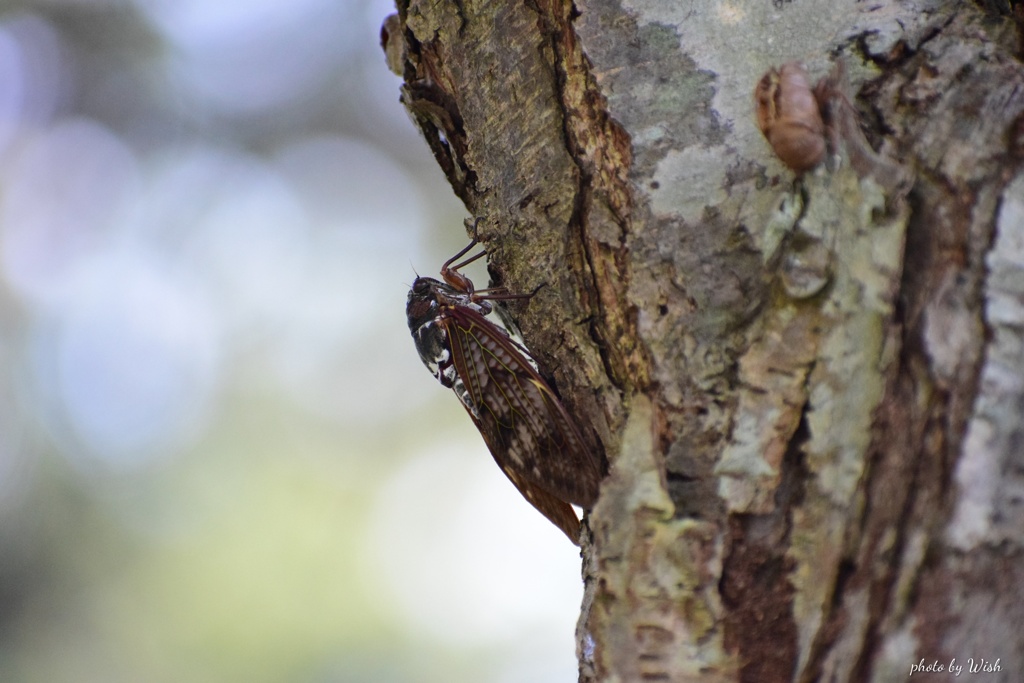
point(220, 457)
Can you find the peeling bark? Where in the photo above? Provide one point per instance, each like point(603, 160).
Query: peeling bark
point(811, 390)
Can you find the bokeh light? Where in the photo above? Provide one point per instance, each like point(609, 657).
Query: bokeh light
point(220, 457)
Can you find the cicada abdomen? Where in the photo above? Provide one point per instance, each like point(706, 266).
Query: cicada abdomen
point(531, 436)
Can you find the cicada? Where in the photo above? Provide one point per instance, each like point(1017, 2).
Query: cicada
point(531, 436)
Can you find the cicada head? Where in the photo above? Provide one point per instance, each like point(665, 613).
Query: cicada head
point(423, 311)
point(429, 305)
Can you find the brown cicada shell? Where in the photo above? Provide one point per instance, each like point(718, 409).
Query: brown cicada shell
point(789, 114)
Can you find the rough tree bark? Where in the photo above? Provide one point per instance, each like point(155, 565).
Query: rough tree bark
point(811, 391)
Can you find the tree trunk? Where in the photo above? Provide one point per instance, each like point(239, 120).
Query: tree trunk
point(810, 390)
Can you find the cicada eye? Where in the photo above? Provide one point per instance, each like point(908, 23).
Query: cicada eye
point(421, 286)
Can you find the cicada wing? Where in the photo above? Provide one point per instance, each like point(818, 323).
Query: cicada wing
point(557, 511)
point(527, 429)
